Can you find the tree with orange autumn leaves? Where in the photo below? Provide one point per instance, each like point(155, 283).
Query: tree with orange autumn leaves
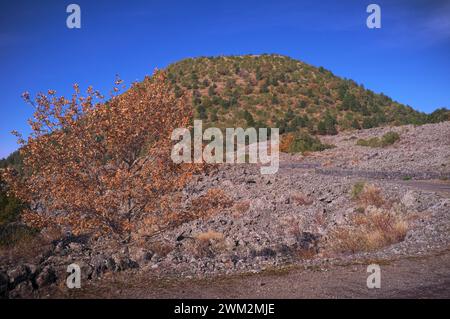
point(96, 166)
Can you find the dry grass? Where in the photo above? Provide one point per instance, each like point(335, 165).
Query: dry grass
point(374, 225)
point(371, 196)
point(209, 235)
point(174, 213)
point(371, 230)
point(286, 142)
point(301, 199)
point(368, 195)
point(207, 244)
point(240, 208)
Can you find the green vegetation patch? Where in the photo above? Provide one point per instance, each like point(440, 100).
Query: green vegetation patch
point(357, 189)
point(294, 95)
point(12, 234)
point(304, 142)
point(387, 139)
point(11, 230)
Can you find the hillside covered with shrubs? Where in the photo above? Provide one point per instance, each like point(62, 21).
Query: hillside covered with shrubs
point(278, 91)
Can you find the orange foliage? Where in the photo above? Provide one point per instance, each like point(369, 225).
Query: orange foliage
point(286, 142)
point(206, 205)
point(96, 166)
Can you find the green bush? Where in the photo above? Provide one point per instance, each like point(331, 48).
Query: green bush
point(327, 125)
point(439, 115)
point(305, 142)
point(10, 208)
point(357, 189)
point(371, 142)
point(11, 234)
point(387, 139)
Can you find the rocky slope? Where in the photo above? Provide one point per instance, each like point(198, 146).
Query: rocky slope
point(267, 221)
point(422, 150)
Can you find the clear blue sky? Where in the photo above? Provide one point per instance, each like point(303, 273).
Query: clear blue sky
point(407, 59)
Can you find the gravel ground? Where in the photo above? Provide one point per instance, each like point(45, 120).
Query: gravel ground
point(423, 148)
point(280, 221)
point(422, 277)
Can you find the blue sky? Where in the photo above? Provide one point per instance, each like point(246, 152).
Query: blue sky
point(407, 59)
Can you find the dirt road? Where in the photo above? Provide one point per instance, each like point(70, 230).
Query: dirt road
point(419, 277)
point(432, 185)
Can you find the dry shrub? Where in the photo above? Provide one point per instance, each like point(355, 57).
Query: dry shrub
point(240, 208)
point(301, 199)
point(209, 235)
point(150, 225)
point(210, 203)
point(374, 229)
point(368, 195)
point(50, 234)
point(286, 142)
point(371, 195)
point(303, 250)
point(160, 248)
point(173, 214)
point(207, 243)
